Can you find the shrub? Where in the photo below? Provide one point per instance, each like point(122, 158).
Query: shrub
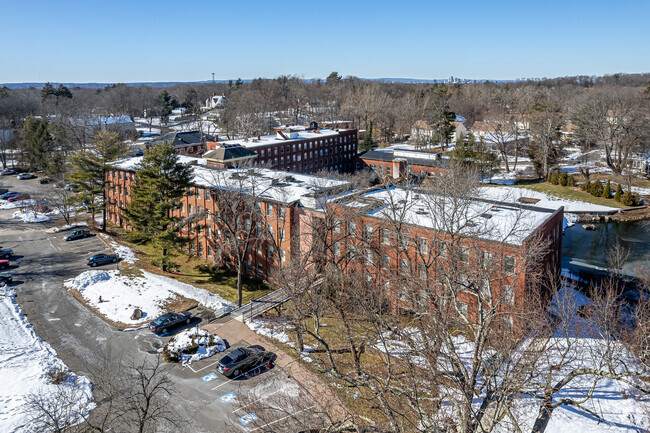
point(571, 181)
point(58, 375)
point(607, 192)
point(619, 193)
point(563, 178)
point(630, 199)
point(597, 189)
point(586, 186)
point(553, 177)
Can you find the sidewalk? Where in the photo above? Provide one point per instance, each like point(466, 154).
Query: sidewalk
point(234, 331)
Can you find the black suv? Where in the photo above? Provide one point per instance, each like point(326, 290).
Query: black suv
point(244, 359)
point(167, 322)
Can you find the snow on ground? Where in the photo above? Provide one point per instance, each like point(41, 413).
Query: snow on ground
point(125, 253)
point(208, 344)
point(122, 293)
point(30, 216)
point(24, 362)
point(278, 330)
point(4, 204)
point(70, 227)
point(547, 201)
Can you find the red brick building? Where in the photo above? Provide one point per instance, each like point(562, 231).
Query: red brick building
point(396, 237)
point(302, 149)
point(400, 163)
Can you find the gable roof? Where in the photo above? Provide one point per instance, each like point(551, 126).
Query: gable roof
point(229, 152)
point(181, 139)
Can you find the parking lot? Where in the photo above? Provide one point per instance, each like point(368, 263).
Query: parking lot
point(262, 399)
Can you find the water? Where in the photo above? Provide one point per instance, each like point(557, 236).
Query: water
point(580, 246)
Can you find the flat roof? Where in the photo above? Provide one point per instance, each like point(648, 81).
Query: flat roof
point(267, 140)
point(504, 222)
point(275, 185)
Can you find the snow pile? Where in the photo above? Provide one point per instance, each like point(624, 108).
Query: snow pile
point(569, 220)
point(126, 254)
point(30, 216)
point(273, 329)
point(122, 293)
point(16, 204)
point(193, 345)
point(25, 361)
point(70, 227)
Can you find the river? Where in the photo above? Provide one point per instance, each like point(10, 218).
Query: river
point(580, 246)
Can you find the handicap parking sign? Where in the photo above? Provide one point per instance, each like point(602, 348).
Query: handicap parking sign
point(227, 398)
point(248, 418)
point(209, 377)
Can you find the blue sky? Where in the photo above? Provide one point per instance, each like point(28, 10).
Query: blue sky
point(120, 41)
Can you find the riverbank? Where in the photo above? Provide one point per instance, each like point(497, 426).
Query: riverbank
point(635, 214)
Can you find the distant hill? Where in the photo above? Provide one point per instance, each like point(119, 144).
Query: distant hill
point(173, 83)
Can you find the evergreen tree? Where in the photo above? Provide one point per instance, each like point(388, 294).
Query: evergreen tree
point(37, 136)
point(563, 178)
point(619, 193)
point(161, 183)
point(607, 192)
point(89, 168)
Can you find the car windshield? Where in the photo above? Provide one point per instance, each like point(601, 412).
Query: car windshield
point(159, 321)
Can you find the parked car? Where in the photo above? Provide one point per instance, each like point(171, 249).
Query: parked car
point(21, 196)
point(5, 279)
point(44, 180)
point(9, 194)
point(24, 176)
point(42, 208)
point(138, 152)
point(8, 171)
point(244, 359)
point(6, 253)
point(167, 322)
point(3, 191)
point(4, 263)
point(71, 187)
point(77, 234)
point(102, 259)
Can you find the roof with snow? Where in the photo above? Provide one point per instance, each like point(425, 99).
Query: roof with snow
point(275, 185)
point(286, 136)
point(181, 139)
point(505, 222)
point(413, 157)
point(229, 153)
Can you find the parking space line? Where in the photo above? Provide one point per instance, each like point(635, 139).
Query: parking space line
point(280, 419)
point(233, 379)
point(261, 398)
point(200, 369)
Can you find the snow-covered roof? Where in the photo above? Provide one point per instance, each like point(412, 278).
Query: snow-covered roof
point(506, 222)
point(297, 134)
point(275, 185)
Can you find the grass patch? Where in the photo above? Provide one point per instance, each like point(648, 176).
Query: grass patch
point(192, 270)
point(570, 194)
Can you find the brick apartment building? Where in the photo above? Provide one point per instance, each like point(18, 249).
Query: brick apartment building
point(301, 149)
point(293, 207)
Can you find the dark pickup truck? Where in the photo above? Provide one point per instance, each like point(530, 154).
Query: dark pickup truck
point(102, 259)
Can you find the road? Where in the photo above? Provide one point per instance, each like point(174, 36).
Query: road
point(81, 339)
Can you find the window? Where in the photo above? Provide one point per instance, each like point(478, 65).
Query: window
point(200, 251)
point(283, 212)
point(352, 229)
point(259, 248)
point(442, 249)
point(403, 240)
point(385, 261)
point(249, 265)
point(369, 257)
point(368, 234)
point(269, 209)
point(248, 224)
point(209, 251)
point(485, 259)
point(464, 254)
point(337, 225)
point(422, 271)
point(385, 237)
point(462, 308)
point(281, 234)
point(283, 256)
point(404, 265)
point(337, 249)
point(198, 193)
point(423, 246)
point(509, 264)
point(508, 294)
point(259, 227)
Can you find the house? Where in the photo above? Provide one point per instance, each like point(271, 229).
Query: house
point(191, 143)
point(230, 156)
point(423, 132)
point(89, 125)
point(568, 132)
point(215, 102)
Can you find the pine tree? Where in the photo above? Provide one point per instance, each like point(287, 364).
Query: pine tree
point(161, 183)
point(89, 168)
point(607, 192)
point(619, 193)
point(37, 136)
